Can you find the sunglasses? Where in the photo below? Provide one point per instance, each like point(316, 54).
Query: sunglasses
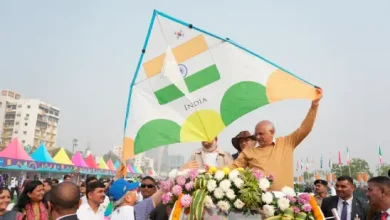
point(150, 186)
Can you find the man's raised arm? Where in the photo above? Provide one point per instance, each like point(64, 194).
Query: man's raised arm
point(301, 133)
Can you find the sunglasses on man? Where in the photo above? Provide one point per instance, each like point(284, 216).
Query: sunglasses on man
point(150, 186)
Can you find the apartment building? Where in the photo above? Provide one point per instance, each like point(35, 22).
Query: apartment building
point(30, 120)
point(117, 151)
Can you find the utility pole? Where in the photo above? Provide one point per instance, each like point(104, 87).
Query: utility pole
point(74, 142)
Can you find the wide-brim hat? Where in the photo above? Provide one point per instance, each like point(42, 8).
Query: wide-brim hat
point(241, 135)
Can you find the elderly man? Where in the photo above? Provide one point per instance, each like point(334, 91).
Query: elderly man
point(210, 155)
point(275, 156)
point(378, 194)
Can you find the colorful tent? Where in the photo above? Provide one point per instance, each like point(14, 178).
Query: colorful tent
point(78, 160)
point(62, 158)
point(15, 150)
point(117, 164)
point(110, 165)
point(102, 164)
point(90, 161)
point(130, 168)
point(139, 169)
point(135, 169)
point(42, 155)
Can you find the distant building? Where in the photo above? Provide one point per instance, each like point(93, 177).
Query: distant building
point(117, 151)
point(175, 161)
point(30, 120)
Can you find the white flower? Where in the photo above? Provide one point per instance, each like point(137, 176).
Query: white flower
point(230, 194)
point(219, 175)
point(224, 206)
point(283, 204)
point(225, 185)
point(268, 210)
point(233, 175)
point(264, 184)
point(218, 193)
point(267, 197)
point(238, 204)
point(183, 173)
point(211, 185)
point(288, 191)
point(201, 171)
point(173, 173)
point(208, 202)
point(239, 183)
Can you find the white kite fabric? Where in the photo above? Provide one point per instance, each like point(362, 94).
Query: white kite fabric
point(190, 84)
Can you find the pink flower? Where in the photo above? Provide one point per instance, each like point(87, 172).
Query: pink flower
point(304, 198)
point(271, 177)
point(257, 173)
point(292, 199)
point(166, 198)
point(189, 186)
point(193, 174)
point(296, 210)
point(177, 190)
point(166, 185)
point(186, 201)
point(307, 208)
point(181, 180)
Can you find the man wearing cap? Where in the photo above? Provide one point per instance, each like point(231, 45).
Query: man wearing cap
point(124, 195)
point(241, 141)
point(321, 191)
point(275, 155)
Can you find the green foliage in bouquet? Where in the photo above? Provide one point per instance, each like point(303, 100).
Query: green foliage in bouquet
point(250, 193)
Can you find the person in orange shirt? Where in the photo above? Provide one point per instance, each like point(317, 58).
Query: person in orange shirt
point(275, 155)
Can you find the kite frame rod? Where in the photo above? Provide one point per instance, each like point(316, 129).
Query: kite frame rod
point(155, 12)
point(231, 42)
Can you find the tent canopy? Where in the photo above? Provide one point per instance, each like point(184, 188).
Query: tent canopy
point(15, 150)
point(78, 160)
point(62, 158)
point(42, 155)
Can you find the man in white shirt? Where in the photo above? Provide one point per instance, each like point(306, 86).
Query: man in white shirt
point(14, 185)
point(92, 179)
point(125, 197)
point(378, 193)
point(348, 207)
point(93, 209)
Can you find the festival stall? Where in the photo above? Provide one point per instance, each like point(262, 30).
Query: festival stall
point(117, 164)
point(14, 157)
point(110, 165)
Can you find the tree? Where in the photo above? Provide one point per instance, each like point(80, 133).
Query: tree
point(383, 170)
point(357, 165)
point(111, 156)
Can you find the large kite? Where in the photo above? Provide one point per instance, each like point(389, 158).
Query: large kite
point(191, 84)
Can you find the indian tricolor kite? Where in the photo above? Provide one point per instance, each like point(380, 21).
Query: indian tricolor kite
point(190, 85)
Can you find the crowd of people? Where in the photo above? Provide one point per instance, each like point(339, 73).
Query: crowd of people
point(141, 199)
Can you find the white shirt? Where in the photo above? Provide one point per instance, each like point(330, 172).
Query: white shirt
point(211, 159)
point(14, 183)
point(104, 204)
point(85, 212)
point(349, 208)
point(123, 213)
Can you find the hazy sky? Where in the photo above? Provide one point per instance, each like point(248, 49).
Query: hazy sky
point(81, 56)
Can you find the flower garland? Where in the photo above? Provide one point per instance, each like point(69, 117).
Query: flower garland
point(239, 190)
